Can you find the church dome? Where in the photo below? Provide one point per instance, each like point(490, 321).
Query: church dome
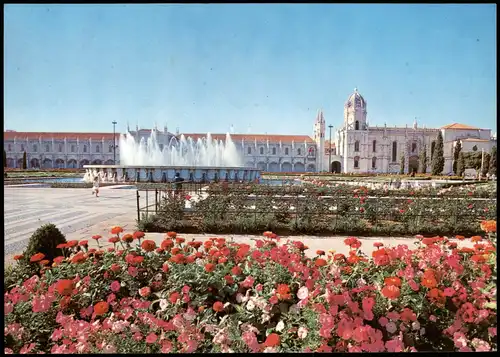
point(355, 100)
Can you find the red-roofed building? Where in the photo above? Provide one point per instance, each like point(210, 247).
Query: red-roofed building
point(355, 146)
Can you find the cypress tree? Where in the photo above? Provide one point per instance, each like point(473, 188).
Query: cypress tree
point(402, 165)
point(422, 161)
point(4, 159)
point(437, 164)
point(493, 161)
point(456, 153)
point(486, 164)
point(25, 163)
point(460, 164)
point(433, 147)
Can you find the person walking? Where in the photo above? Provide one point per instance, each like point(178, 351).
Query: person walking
point(177, 184)
point(95, 187)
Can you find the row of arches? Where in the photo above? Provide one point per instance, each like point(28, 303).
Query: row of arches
point(285, 167)
point(72, 148)
point(286, 151)
point(55, 164)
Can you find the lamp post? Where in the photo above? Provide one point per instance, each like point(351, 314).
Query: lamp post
point(330, 166)
point(114, 143)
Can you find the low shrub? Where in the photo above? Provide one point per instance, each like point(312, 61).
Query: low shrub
point(45, 240)
point(224, 296)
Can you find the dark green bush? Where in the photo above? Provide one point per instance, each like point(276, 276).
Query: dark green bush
point(45, 240)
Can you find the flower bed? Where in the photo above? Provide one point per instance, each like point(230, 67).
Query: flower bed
point(340, 209)
point(221, 296)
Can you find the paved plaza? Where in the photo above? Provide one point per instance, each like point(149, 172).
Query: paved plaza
point(79, 215)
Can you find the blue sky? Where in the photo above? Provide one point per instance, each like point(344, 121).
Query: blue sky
point(261, 68)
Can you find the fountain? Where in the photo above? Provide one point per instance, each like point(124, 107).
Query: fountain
point(201, 160)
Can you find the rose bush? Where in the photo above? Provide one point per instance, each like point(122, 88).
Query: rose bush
point(223, 296)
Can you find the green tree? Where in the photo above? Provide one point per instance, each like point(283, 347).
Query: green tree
point(456, 153)
point(25, 163)
point(4, 159)
point(433, 147)
point(472, 160)
point(422, 161)
point(402, 165)
point(437, 164)
point(493, 161)
point(460, 164)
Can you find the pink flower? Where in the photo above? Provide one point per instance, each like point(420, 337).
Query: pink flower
point(448, 292)
point(132, 271)
point(480, 345)
point(413, 285)
point(459, 339)
point(383, 321)
point(166, 346)
point(115, 286)
point(109, 349)
point(145, 291)
point(248, 282)
point(251, 341)
point(151, 338)
point(492, 331)
point(391, 327)
point(394, 345)
point(432, 318)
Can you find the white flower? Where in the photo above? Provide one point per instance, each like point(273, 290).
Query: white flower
point(163, 304)
point(265, 317)
point(302, 332)
point(239, 298)
point(303, 293)
point(280, 326)
point(250, 305)
point(391, 327)
point(415, 325)
point(422, 331)
point(361, 282)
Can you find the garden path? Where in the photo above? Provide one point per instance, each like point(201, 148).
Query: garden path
point(79, 215)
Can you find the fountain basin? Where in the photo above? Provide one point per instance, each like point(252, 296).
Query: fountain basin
point(159, 174)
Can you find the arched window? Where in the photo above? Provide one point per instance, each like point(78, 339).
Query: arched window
point(394, 151)
point(413, 147)
point(356, 145)
point(249, 151)
point(356, 162)
point(84, 148)
point(374, 146)
point(110, 149)
point(262, 151)
point(72, 148)
point(374, 163)
point(299, 151)
point(35, 148)
point(286, 151)
point(22, 147)
point(47, 148)
point(9, 147)
point(356, 125)
point(274, 151)
point(334, 151)
point(97, 148)
point(433, 146)
point(60, 147)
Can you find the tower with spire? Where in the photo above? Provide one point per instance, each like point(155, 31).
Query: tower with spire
point(319, 138)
